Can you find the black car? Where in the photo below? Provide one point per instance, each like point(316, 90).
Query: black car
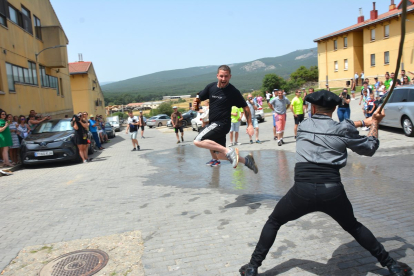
point(52, 141)
point(110, 130)
point(187, 117)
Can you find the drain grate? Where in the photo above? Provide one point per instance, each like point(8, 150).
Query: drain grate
point(78, 263)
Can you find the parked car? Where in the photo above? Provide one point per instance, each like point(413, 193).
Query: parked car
point(110, 130)
point(114, 121)
point(158, 120)
point(196, 123)
point(52, 141)
point(399, 111)
point(259, 115)
point(187, 117)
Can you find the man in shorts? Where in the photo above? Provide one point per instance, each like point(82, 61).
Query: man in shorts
point(142, 123)
point(222, 96)
point(133, 125)
point(176, 121)
point(253, 107)
point(297, 109)
point(279, 105)
point(353, 86)
point(236, 115)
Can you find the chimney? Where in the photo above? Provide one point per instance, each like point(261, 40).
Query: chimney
point(361, 16)
point(392, 6)
point(374, 12)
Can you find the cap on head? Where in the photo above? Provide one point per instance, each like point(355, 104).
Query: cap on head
point(90, 116)
point(323, 98)
point(174, 107)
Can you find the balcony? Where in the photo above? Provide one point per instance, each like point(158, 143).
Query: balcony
point(54, 58)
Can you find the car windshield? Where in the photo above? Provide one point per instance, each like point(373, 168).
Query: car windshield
point(114, 122)
point(53, 126)
point(108, 125)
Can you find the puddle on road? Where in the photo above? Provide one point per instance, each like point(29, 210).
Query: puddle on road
point(184, 166)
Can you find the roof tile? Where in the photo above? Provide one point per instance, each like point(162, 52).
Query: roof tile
point(80, 67)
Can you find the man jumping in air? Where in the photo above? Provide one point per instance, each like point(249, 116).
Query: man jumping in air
point(222, 96)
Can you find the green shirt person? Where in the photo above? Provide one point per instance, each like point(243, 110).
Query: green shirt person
point(296, 107)
point(234, 110)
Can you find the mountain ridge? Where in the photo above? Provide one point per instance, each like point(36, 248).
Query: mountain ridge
point(245, 75)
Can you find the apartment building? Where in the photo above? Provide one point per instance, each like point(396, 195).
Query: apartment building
point(86, 91)
point(33, 59)
point(370, 46)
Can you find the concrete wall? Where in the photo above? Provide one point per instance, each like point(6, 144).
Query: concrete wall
point(18, 47)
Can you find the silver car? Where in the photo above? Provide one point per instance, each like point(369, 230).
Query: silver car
point(158, 120)
point(399, 111)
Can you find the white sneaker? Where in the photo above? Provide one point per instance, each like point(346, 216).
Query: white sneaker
point(238, 143)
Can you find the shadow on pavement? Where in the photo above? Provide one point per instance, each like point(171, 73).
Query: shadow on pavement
point(338, 263)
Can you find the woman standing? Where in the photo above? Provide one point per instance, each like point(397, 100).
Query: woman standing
point(14, 149)
point(5, 139)
point(344, 112)
point(22, 128)
point(81, 136)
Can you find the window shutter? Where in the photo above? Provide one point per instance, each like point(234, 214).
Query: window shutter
point(4, 8)
point(27, 23)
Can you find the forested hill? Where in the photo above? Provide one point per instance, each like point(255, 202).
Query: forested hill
point(245, 76)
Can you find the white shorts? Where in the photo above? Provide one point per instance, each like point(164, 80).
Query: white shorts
point(133, 135)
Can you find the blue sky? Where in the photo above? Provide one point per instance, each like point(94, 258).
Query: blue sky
point(130, 38)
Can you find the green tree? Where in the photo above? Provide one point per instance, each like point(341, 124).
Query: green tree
point(165, 108)
point(271, 82)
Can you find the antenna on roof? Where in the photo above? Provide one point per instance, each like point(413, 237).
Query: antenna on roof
point(360, 12)
point(80, 57)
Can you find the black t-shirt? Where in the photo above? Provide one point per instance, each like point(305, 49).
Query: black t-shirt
point(345, 104)
point(80, 131)
point(221, 101)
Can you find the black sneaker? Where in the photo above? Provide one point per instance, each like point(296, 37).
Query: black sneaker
point(296, 137)
point(182, 138)
point(279, 143)
point(248, 270)
point(139, 148)
point(399, 269)
point(134, 149)
point(283, 142)
point(251, 141)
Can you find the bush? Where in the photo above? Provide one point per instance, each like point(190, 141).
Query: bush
point(164, 108)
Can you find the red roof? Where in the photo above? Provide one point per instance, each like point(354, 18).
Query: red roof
point(381, 17)
point(81, 67)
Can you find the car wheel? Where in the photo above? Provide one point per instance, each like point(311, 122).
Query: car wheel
point(184, 123)
point(150, 126)
point(159, 124)
point(407, 126)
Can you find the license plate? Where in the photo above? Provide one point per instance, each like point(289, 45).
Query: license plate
point(43, 153)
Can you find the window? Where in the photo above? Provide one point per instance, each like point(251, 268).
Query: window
point(345, 64)
point(399, 95)
point(336, 66)
point(15, 16)
point(10, 80)
point(32, 73)
point(372, 59)
point(27, 20)
point(373, 35)
point(38, 27)
point(17, 74)
point(345, 42)
point(335, 45)
point(387, 57)
point(387, 31)
point(3, 12)
point(47, 80)
point(410, 95)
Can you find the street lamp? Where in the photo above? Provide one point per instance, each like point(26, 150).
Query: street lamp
point(57, 46)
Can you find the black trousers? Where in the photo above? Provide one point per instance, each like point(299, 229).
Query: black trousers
point(305, 198)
